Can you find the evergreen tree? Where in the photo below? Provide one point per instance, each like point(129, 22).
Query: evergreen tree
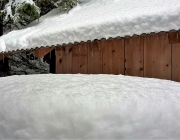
point(14, 12)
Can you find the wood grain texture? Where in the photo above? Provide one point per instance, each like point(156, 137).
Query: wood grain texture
point(134, 56)
point(113, 56)
point(67, 59)
point(107, 56)
point(157, 56)
point(175, 62)
point(94, 57)
point(118, 57)
point(174, 37)
point(59, 60)
point(79, 58)
point(41, 52)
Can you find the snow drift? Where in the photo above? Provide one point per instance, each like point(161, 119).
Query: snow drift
point(96, 19)
point(88, 107)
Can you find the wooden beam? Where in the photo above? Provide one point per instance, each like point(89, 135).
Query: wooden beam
point(41, 52)
point(2, 56)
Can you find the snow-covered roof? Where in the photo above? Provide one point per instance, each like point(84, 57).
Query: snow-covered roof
point(96, 19)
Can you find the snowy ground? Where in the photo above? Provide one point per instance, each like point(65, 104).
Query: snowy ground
point(88, 106)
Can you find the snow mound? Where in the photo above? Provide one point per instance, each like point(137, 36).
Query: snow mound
point(97, 19)
point(88, 106)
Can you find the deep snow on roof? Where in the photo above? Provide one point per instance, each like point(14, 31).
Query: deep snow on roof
point(96, 19)
point(88, 107)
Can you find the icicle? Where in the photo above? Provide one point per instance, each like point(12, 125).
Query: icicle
point(157, 36)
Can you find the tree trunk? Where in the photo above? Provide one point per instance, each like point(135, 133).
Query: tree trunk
point(1, 26)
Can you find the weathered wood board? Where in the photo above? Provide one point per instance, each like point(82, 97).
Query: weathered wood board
point(59, 60)
point(113, 56)
point(134, 61)
point(41, 52)
point(174, 37)
point(94, 57)
point(157, 56)
point(79, 58)
point(67, 59)
point(176, 62)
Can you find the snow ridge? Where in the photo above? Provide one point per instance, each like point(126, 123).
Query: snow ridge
point(97, 19)
point(88, 106)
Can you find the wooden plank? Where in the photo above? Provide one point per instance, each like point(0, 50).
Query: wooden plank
point(41, 52)
point(107, 56)
point(113, 56)
point(134, 56)
point(175, 62)
point(174, 37)
point(2, 56)
point(157, 56)
point(79, 58)
point(118, 56)
point(67, 59)
point(94, 57)
point(59, 56)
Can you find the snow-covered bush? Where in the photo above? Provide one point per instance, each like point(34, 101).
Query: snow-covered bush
point(66, 5)
point(26, 63)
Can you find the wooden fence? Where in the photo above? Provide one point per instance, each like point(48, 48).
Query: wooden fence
point(154, 56)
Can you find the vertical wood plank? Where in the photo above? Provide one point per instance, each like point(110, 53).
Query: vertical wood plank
point(157, 56)
point(175, 62)
point(134, 56)
point(59, 55)
point(79, 58)
point(118, 56)
point(113, 56)
point(94, 57)
point(107, 56)
point(67, 59)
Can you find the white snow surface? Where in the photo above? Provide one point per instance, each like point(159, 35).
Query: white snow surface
point(88, 107)
point(96, 19)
